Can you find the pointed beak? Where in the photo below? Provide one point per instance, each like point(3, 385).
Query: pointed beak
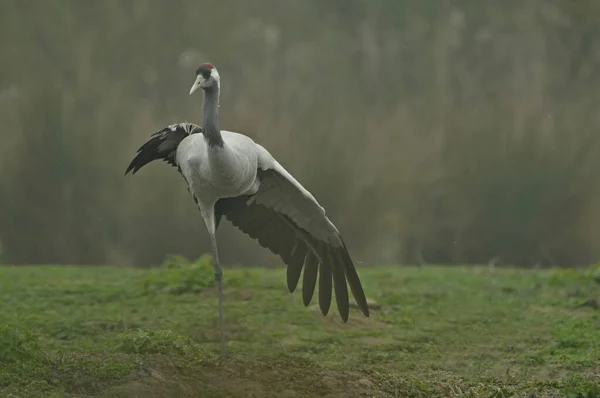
point(197, 83)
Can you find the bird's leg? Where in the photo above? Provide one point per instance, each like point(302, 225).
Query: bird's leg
point(219, 279)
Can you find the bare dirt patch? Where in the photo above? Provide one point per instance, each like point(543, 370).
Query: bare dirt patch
point(240, 377)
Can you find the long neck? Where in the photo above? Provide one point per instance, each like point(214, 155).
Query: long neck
point(210, 119)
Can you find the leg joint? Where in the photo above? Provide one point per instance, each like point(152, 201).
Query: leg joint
point(219, 275)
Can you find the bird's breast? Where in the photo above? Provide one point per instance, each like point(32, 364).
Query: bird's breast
point(218, 173)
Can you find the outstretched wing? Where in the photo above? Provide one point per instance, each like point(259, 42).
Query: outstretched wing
point(284, 217)
point(162, 145)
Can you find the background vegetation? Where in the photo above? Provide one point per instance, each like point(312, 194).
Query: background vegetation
point(434, 131)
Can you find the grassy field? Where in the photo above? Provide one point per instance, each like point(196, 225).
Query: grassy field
point(448, 332)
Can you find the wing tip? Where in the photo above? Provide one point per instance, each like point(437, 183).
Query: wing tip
point(365, 311)
point(133, 167)
point(154, 148)
point(345, 314)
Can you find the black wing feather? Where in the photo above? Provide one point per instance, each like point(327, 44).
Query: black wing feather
point(162, 145)
point(309, 279)
point(325, 289)
point(339, 283)
point(296, 262)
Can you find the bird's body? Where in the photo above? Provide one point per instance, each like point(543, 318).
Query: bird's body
point(231, 176)
point(229, 170)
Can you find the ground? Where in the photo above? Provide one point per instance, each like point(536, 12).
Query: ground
point(434, 331)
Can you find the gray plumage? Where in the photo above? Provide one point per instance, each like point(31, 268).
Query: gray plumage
point(231, 176)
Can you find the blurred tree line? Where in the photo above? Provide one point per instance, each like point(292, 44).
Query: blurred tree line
point(433, 131)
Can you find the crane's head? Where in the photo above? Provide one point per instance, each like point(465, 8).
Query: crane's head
point(207, 77)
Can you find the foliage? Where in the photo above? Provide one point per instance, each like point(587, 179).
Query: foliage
point(433, 332)
point(156, 342)
point(178, 275)
point(594, 273)
point(17, 344)
point(580, 387)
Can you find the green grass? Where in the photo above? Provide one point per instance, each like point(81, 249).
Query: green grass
point(434, 331)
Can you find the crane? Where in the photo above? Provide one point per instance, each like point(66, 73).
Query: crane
point(231, 176)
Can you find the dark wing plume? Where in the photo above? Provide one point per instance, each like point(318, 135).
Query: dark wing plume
point(162, 145)
point(272, 216)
